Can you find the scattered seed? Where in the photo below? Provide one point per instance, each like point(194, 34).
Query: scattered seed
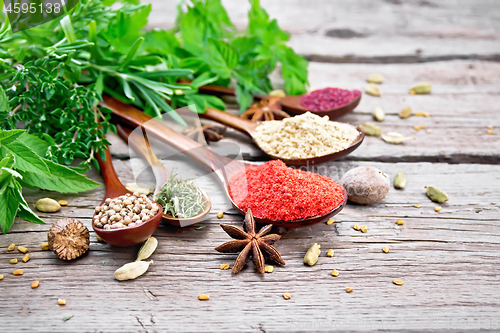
point(22, 249)
point(400, 222)
point(372, 90)
point(61, 301)
point(335, 273)
point(356, 227)
point(489, 127)
point(287, 296)
point(436, 194)
point(1, 277)
point(224, 266)
point(371, 129)
point(398, 282)
point(13, 261)
point(18, 272)
point(400, 180)
point(364, 228)
point(421, 88)
point(203, 297)
point(490, 132)
point(418, 206)
point(406, 112)
point(348, 289)
point(312, 254)
point(330, 221)
point(63, 202)
point(220, 214)
point(46, 247)
point(378, 114)
point(269, 269)
point(330, 253)
point(412, 92)
point(99, 239)
point(422, 114)
point(26, 258)
point(394, 138)
point(11, 247)
point(35, 284)
point(147, 249)
point(385, 249)
point(437, 208)
point(418, 128)
point(375, 78)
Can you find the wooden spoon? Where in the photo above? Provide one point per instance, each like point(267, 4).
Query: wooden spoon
point(127, 236)
point(288, 103)
point(249, 127)
point(223, 167)
point(141, 145)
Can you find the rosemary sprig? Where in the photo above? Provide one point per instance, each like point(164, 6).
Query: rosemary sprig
point(180, 198)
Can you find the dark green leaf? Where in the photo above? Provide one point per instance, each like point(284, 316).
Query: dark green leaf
point(36, 144)
point(26, 159)
point(9, 205)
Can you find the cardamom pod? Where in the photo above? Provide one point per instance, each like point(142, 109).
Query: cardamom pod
point(421, 88)
point(378, 114)
point(133, 187)
point(372, 90)
point(47, 205)
point(147, 249)
point(371, 129)
point(278, 93)
point(405, 113)
point(400, 180)
point(436, 194)
point(132, 270)
point(375, 78)
point(394, 138)
point(312, 254)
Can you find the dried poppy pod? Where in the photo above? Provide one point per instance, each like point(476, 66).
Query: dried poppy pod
point(68, 239)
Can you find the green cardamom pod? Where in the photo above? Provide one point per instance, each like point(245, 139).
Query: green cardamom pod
point(394, 138)
point(422, 88)
point(375, 78)
point(371, 129)
point(436, 194)
point(405, 113)
point(312, 254)
point(132, 270)
point(378, 114)
point(47, 205)
point(147, 249)
point(400, 180)
point(372, 90)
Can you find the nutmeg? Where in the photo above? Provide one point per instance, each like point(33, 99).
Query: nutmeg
point(68, 239)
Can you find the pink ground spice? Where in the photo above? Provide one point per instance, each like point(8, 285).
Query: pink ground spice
point(328, 99)
point(277, 192)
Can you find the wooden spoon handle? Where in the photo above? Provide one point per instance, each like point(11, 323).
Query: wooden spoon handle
point(245, 126)
point(216, 90)
point(140, 144)
point(114, 188)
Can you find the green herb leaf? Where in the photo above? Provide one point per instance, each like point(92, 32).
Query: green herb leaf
point(9, 205)
point(36, 144)
point(25, 158)
point(222, 57)
point(7, 137)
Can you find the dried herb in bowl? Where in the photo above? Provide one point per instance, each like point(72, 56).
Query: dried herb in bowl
point(180, 198)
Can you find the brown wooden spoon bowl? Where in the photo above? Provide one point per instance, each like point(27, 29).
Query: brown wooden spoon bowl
point(293, 104)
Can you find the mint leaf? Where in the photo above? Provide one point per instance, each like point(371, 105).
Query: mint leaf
point(24, 211)
point(63, 180)
point(243, 96)
point(25, 158)
point(203, 79)
point(7, 137)
point(222, 57)
point(4, 105)
point(160, 41)
point(9, 205)
point(193, 31)
point(36, 144)
point(7, 162)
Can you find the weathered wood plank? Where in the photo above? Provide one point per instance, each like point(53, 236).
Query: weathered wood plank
point(447, 261)
point(380, 31)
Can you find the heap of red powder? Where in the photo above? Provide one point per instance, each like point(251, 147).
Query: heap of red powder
point(328, 99)
point(276, 192)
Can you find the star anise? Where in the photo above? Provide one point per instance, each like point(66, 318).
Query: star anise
point(266, 109)
point(251, 244)
point(212, 133)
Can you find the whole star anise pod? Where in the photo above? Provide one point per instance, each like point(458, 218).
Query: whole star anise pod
point(212, 133)
point(266, 109)
point(250, 244)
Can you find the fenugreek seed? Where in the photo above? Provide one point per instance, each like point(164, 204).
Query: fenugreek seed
point(1, 277)
point(378, 114)
point(348, 289)
point(490, 132)
point(422, 88)
point(22, 249)
point(312, 254)
point(61, 301)
point(400, 222)
point(418, 206)
point(147, 249)
point(63, 202)
point(224, 266)
point(220, 214)
point(45, 246)
point(18, 272)
point(287, 296)
point(330, 253)
point(203, 297)
point(489, 127)
point(26, 258)
point(35, 284)
point(99, 239)
point(375, 78)
point(372, 90)
point(406, 112)
point(418, 128)
point(385, 249)
point(437, 208)
point(330, 221)
point(364, 228)
point(335, 273)
point(269, 269)
point(422, 114)
point(412, 92)
point(11, 247)
point(436, 194)
point(356, 227)
point(13, 261)
point(398, 282)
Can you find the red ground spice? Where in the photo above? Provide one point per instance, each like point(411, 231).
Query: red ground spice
point(277, 192)
point(328, 99)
